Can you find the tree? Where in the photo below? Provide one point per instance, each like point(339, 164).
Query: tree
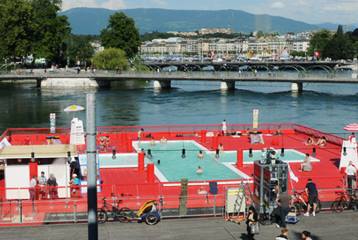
point(32, 27)
point(16, 29)
point(51, 30)
point(121, 33)
point(79, 48)
point(111, 59)
point(319, 41)
point(339, 47)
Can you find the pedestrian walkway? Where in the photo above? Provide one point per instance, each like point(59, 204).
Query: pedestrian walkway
point(324, 226)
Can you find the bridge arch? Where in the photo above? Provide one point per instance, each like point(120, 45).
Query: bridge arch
point(298, 68)
point(326, 68)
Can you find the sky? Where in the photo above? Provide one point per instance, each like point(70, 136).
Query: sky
point(310, 11)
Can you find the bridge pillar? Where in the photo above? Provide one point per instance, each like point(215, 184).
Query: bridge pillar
point(162, 84)
point(296, 87)
point(227, 85)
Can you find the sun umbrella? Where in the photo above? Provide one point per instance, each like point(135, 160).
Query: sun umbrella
point(353, 127)
point(74, 108)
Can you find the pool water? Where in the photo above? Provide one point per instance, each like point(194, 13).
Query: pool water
point(174, 167)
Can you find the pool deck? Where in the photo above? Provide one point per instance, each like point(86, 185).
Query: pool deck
point(134, 187)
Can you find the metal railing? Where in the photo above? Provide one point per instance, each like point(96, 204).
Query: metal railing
point(198, 202)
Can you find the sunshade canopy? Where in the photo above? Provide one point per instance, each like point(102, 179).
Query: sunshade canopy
point(40, 151)
point(353, 127)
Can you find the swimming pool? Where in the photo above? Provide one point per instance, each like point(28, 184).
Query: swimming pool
point(173, 167)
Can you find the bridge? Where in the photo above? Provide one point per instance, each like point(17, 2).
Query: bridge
point(235, 66)
point(163, 79)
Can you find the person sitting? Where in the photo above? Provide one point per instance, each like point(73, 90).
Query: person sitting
point(152, 142)
point(199, 170)
point(52, 186)
point(322, 141)
point(200, 155)
point(163, 140)
point(221, 147)
point(310, 141)
point(256, 138)
point(306, 166)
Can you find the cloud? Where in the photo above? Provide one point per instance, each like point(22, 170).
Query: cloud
point(109, 4)
point(278, 5)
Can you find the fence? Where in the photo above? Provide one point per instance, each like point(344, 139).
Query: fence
point(198, 202)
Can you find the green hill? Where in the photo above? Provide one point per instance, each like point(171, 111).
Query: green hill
point(92, 20)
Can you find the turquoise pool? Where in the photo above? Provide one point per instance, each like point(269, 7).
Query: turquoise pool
point(173, 167)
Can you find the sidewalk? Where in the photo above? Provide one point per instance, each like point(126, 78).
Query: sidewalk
point(324, 226)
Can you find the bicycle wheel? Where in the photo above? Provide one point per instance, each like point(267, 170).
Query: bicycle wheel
point(102, 216)
point(265, 219)
point(124, 215)
point(338, 206)
point(300, 208)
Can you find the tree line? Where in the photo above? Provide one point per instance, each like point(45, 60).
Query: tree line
point(338, 45)
point(36, 28)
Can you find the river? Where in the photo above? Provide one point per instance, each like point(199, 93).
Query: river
point(327, 107)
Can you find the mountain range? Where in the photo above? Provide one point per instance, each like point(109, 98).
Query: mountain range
point(93, 20)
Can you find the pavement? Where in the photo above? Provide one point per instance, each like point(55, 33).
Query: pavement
point(324, 226)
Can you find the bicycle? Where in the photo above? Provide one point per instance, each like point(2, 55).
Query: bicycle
point(299, 202)
point(344, 201)
point(265, 217)
point(112, 211)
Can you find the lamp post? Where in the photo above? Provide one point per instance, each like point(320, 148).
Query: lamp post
point(91, 167)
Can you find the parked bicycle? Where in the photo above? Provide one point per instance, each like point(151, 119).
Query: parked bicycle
point(299, 201)
point(345, 201)
point(110, 211)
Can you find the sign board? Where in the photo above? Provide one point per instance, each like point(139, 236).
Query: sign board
point(52, 122)
point(235, 200)
point(255, 118)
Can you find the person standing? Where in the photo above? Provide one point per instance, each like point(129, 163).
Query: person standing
point(351, 172)
point(352, 138)
point(32, 189)
point(312, 193)
point(42, 185)
point(251, 222)
point(140, 133)
point(224, 127)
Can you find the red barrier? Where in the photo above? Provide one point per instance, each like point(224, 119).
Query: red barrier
point(141, 162)
point(240, 158)
point(129, 145)
point(215, 142)
point(150, 173)
point(203, 136)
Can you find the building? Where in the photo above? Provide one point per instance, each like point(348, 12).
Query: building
point(270, 46)
point(205, 31)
